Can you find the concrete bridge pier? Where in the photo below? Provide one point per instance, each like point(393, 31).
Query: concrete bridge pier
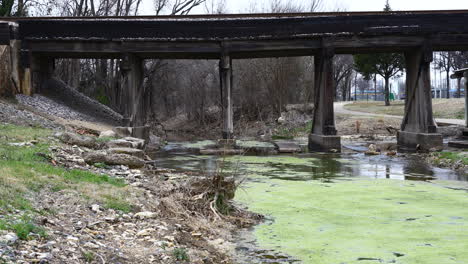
point(134, 112)
point(323, 137)
point(226, 78)
point(419, 129)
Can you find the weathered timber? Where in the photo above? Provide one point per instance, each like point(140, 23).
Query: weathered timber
point(323, 136)
point(239, 49)
point(418, 108)
point(42, 69)
point(132, 70)
point(225, 70)
point(324, 119)
point(244, 27)
point(466, 97)
point(418, 128)
point(244, 36)
point(4, 34)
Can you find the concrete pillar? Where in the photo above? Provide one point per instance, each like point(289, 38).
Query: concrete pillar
point(323, 137)
point(131, 67)
point(225, 70)
point(418, 129)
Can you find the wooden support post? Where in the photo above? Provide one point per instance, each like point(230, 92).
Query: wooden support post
point(418, 129)
point(24, 71)
point(15, 46)
point(225, 69)
point(465, 74)
point(133, 94)
point(459, 87)
point(323, 136)
point(42, 68)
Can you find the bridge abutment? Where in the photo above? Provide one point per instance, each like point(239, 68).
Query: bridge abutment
point(419, 129)
point(323, 137)
point(226, 78)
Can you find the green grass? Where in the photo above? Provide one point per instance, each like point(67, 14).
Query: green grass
point(24, 227)
point(88, 256)
point(180, 254)
point(291, 133)
point(21, 134)
point(23, 173)
point(118, 204)
point(442, 108)
point(453, 157)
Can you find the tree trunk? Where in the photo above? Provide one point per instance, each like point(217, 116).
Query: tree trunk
point(387, 91)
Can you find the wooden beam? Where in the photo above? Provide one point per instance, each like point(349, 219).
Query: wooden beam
point(4, 34)
point(418, 107)
point(225, 68)
point(324, 118)
point(133, 94)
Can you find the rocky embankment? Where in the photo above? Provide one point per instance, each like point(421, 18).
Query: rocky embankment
point(147, 215)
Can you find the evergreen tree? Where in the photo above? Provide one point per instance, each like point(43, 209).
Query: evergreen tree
point(5, 7)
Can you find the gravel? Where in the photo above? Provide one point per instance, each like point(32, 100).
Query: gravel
point(12, 114)
point(51, 107)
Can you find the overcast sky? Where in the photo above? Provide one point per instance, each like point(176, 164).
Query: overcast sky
point(241, 6)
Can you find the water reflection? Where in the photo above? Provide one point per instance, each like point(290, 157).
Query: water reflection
point(309, 166)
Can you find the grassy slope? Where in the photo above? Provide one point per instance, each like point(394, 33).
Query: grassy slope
point(443, 108)
point(452, 157)
point(23, 174)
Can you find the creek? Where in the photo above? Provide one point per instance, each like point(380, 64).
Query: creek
point(343, 208)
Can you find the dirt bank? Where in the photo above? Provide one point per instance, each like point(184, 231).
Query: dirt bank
point(56, 208)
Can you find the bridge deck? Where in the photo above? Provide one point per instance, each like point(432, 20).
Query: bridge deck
point(243, 36)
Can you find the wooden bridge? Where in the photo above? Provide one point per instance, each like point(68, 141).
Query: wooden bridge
point(36, 42)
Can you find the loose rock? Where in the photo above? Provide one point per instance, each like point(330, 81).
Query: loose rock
point(74, 139)
point(145, 215)
point(113, 159)
point(108, 133)
point(130, 151)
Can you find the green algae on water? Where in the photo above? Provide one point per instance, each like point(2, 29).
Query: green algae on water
point(204, 144)
point(253, 144)
point(361, 221)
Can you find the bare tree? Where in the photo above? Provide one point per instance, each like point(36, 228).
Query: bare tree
point(444, 62)
point(343, 66)
point(215, 7)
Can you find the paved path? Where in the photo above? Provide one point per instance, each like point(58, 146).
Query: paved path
point(339, 109)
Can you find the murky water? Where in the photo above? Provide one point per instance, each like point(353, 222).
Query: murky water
point(343, 208)
point(310, 166)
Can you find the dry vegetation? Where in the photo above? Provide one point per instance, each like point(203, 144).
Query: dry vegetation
point(442, 108)
point(52, 210)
